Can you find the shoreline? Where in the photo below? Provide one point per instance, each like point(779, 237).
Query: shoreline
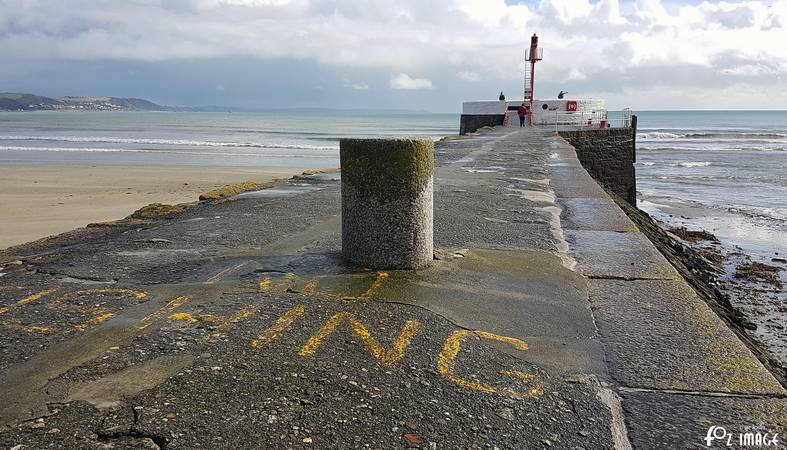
point(46, 200)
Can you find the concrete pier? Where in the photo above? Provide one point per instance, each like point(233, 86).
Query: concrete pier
point(387, 202)
point(548, 320)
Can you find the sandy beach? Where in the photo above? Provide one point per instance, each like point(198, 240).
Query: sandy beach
point(44, 200)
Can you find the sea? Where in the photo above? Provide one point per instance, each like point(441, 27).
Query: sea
point(721, 171)
point(265, 139)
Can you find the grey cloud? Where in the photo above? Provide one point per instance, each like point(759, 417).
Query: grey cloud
point(615, 45)
point(740, 17)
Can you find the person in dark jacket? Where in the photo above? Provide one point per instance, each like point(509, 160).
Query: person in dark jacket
point(561, 94)
point(522, 112)
point(502, 97)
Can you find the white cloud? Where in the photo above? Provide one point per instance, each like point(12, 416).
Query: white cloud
point(404, 81)
point(610, 42)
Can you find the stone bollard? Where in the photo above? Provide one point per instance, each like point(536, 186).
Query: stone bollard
point(387, 202)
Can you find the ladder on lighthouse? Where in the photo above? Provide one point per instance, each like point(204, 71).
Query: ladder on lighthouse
point(528, 92)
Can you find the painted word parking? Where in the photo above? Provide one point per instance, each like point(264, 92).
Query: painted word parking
point(87, 309)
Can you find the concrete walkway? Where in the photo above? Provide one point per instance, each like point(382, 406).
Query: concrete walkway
point(548, 321)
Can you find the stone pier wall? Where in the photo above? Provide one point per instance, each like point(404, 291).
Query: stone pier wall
point(608, 155)
point(469, 123)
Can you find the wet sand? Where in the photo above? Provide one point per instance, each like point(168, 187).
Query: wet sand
point(40, 201)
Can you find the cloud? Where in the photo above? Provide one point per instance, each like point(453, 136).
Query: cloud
point(406, 82)
point(605, 45)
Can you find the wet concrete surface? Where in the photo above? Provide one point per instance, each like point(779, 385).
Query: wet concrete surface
point(237, 325)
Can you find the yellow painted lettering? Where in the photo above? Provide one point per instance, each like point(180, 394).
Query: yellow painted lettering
point(171, 305)
point(385, 357)
point(446, 365)
point(378, 283)
point(275, 330)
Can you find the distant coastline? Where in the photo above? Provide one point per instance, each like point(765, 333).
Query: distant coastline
point(22, 102)
point(10, 101)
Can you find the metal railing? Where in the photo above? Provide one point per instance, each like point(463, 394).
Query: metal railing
point(562, 120)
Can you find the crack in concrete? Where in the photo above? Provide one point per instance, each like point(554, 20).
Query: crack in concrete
point(703, 393)
point(622, 278)
point(133, 432)
point(424, 308)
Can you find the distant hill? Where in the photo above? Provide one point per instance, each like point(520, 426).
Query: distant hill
point(29, 102)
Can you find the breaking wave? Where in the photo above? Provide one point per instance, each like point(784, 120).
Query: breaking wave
point(172, 142)
point(176, 152)
point(692, 164)
point(664, 135)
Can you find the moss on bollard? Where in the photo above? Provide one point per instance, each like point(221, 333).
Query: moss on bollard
point(386, 168)
point(387, 202)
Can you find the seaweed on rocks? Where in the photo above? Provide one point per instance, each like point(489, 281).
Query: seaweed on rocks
point(693, 235)
point(759, 272)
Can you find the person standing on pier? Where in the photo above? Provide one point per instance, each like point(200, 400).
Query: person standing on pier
point(522, 112)
point(502, 97)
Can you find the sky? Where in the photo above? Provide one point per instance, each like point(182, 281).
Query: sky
point(397, 54)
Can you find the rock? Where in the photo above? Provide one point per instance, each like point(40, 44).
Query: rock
point(584, 433)
point(506, 413)
point(412, 438)
point(546, 442)
point(307, 440)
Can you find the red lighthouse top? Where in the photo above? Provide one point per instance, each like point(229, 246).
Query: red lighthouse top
point(535, 53)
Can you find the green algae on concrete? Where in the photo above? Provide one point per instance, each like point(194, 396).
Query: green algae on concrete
point(232, 190)
point(387, 168)
point(156, 210)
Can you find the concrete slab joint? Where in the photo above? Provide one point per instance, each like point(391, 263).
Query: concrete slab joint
point(387, 202)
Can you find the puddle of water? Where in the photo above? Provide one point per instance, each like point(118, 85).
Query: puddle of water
point(107, 392)
point(544, 181)
point(153, 253)
point(468, 169)
point(326, 176)
point(84, 281)
point(289, 191)
point(534, 196)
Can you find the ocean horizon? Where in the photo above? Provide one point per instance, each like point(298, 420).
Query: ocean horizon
point(716, 170)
